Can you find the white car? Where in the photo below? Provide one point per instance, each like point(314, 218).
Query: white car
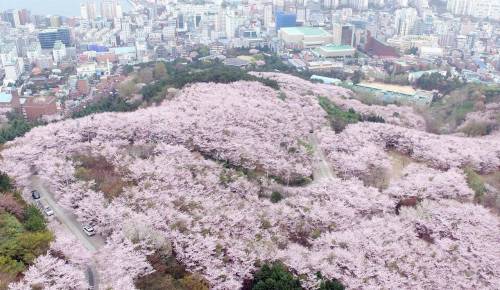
point(48, 211)
point(89, 231)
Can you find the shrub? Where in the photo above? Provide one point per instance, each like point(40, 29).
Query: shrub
point(282, 96)
point(5, 182)
point(476, 183)
point(339, 119)
point(474, 128)
point(194, 282)
point(373, 119)
point(97, 168)
point(112, 103)
point(275, 276)
point(9, 204)
point(329, 284)
point(276, 197)
point(170, 274)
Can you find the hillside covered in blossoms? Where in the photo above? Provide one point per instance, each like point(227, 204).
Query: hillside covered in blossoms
point(228, 177)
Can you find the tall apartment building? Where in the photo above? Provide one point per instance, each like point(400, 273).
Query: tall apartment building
point(358, 4)
point(404, 20)
point(88, 10)
point(268, 14)
point(475, 8)
point(337, 33)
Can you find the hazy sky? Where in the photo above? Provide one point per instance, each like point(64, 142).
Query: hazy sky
point(43, 7)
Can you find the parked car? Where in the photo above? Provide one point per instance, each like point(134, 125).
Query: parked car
point(48, 211)
point(35, 194)
point(89, 231)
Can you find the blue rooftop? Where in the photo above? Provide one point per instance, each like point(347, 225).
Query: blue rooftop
point(124, 50)
point(5, 98)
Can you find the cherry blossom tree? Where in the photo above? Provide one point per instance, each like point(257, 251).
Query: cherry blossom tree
point(198, 172)
point(423, 182)
point(49, 272)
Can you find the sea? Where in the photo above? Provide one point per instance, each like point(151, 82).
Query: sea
point(66, 8)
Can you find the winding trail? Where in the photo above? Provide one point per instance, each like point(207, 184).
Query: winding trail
point(321, 168)
point(69, 220)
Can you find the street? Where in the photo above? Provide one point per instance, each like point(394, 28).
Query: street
point(69, 220)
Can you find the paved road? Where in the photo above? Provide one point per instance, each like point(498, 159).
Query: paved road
point(93, 244)
point(321, 167)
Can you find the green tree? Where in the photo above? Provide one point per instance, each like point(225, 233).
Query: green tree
point(275, 276)
point(126, 89)
point(16, 127)
point(33, 244)
point(412, 50)
point(160, 71)
point(10, 227)
point(34, 220)
point(339, 119)
point(5, 183)
point(329, 284)
point(357, 77)
point(476, 183)
point(276, 197)
point(10, 266)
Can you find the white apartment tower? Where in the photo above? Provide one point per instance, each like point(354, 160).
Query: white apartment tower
point(404, 20)
point(337, 33)
point(59, 52)
point(268, 14)
point(358, 4)
point(476, 8)
point(88, 10)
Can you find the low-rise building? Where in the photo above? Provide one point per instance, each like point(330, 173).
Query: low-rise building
point(304, 37)
point(335, 51)
point(395, 93)
point(430, 52)
point(35, 108)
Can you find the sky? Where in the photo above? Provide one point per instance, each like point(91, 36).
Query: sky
point(46, 7)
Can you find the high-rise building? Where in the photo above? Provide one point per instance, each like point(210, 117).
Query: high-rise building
point(33, 52)
point(279, 5)
point(59, 51)
point(329, 4)
point(88, 10)
point(24, 16)
point(119, 10)
point(109, 9)
point(55, 21)
point(459, 7)
point(347, 37)
point(48, 37)
point(268, 14)
point(285, 19)
point(486, 9)
point(405, 19)
point(12, 16)
point(476, 8)
point(337, 33)
point(420, 4)
point(64, 35)
point(401, 3)
point(358, 4)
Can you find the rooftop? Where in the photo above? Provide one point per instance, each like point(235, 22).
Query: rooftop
point(335, 47)
point(5, 97)
point(407, 90)
point(305, 30)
